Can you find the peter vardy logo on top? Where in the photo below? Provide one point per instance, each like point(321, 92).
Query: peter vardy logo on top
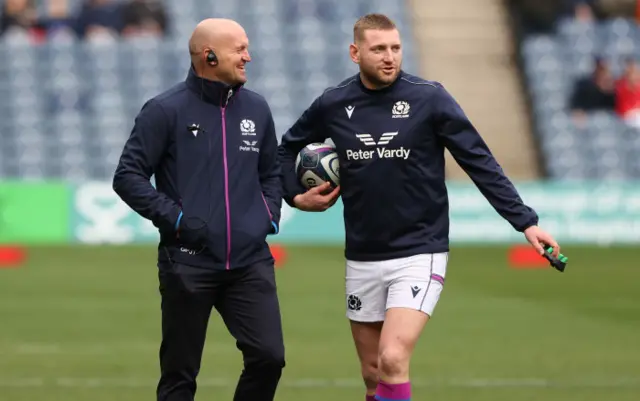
point(381, 150)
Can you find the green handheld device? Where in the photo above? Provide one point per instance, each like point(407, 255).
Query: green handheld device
point(558, 263)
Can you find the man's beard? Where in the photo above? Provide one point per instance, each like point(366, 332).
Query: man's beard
point(379, 81)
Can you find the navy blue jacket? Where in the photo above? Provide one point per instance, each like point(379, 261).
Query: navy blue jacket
point(390, 146)
point(213, 150)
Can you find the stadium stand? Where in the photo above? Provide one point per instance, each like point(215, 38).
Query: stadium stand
point(68, 96)
point(584, 129)
point(468, 47)
point(74, 73)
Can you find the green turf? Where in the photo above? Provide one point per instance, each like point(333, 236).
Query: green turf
point(82, 323)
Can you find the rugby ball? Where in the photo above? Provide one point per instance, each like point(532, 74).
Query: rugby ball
point(317, 163)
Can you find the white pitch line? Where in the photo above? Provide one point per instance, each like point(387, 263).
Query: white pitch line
point(123, 382)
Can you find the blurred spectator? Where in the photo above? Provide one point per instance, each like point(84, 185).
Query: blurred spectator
point(536, 15)
point(100, 17)
point(628, 94)
point(58, 21)
point(143, 18)
point(582, 10)
point(541, 16)
point(618, 8)
point(18, 15)
point(593, 93)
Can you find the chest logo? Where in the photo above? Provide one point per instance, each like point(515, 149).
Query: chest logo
point(381, 150)
point(349, 109)
point(400, 109)
point(368, 140)
point(249, 146)
point(194, 128)
point(247, 127)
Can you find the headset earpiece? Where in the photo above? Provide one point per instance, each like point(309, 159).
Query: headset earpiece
point(212, 58)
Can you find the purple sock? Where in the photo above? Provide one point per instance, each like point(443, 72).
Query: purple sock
point(370, 398)
point(393, 392)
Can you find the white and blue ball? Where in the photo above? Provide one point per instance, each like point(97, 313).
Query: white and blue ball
point(317, 163)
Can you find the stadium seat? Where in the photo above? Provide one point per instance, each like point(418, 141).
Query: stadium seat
point(67, 106)
point(604, 147)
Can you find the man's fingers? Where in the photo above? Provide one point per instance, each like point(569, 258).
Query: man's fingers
point(547, 241)
point(326, 196)
point(322, 196)
point(335, 193)
point(332, 197)
point(550, 242)
point(328, 200)
point(556, 248)
point(538, 247)
point(321, 188)
point(541, 240)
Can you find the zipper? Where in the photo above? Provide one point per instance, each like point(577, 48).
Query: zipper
point(226, 183)
point(223, 111)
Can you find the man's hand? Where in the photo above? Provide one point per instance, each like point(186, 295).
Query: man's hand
point(539, 238)
point(317, 199)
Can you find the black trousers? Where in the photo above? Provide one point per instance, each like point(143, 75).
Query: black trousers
point(248, 303)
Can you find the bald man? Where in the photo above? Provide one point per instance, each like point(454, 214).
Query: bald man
point(211, 145)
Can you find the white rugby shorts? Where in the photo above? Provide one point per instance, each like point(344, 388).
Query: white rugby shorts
point(413, 282)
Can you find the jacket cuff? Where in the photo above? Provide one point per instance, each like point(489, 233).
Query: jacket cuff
point(275, 228)
point(178, 221)
point(289, 197)
point(532, 222)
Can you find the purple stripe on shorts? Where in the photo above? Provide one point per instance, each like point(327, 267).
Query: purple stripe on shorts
point(438, 278)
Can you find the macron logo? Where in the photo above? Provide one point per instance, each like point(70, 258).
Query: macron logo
point(349, 109)
point(368, 140)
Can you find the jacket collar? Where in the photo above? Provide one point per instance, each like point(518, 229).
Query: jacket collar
point(215, 92)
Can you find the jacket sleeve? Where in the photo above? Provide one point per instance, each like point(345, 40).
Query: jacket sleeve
point(472, 154)
point(142, 154)
point(269, 170)
point(307, 129)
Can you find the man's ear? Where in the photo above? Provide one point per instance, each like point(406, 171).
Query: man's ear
point(354, 52)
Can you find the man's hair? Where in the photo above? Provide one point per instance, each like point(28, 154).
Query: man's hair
point(371, 21)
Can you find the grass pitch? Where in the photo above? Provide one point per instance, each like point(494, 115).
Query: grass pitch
point(82, 323)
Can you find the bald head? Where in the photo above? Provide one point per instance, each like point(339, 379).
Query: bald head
point(228, 40)
point(211, 33)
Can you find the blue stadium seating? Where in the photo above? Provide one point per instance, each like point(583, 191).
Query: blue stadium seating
point(604, 148)
point(66, 107)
